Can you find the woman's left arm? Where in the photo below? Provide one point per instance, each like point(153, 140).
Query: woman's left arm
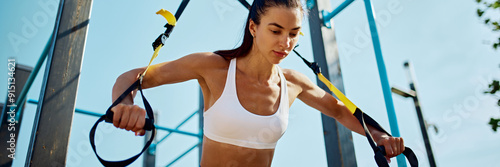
point(317, 98)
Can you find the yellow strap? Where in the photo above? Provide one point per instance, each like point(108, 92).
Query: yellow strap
point(172, 21)
point(338, 93)
point(169, 16)
point(155, 54)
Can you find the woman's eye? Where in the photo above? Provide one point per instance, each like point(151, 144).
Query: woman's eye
point(293, 35)
point(275, 32)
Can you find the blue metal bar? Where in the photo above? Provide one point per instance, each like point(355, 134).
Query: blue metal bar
point(177, 128)
point(34, 132)
point(99, 115)
point(177, 131)
point(153, 145)
point(31, 78)
point(310, 4)
point(386, 89)
point(327, 16)
point(76, 109)
point(175, 160)
point(200, 123)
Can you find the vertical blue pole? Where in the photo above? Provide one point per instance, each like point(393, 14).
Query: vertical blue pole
point(34, 73)
point(386, 89)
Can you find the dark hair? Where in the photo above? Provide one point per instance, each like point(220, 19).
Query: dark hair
point(258, 8)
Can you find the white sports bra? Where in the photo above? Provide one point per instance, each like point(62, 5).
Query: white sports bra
point(228, 122)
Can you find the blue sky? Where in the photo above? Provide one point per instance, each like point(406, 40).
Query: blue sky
point(449, 48)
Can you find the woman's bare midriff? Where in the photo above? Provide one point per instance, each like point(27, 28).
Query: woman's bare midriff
point(216, 154)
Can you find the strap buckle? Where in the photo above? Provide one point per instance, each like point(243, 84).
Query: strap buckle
point(141, 77)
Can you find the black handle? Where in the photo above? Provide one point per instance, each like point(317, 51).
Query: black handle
point(382, 161)
point(108, 117)
point(147, 126)
point(382, 150)
point(380, 157)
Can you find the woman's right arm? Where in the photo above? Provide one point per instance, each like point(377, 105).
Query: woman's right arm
point(123, 112)
point(123, 82)
point(131, 117)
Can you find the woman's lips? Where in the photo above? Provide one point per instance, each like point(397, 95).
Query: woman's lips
point(280, 54)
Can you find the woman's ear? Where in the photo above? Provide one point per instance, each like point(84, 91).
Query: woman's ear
point(252, 27)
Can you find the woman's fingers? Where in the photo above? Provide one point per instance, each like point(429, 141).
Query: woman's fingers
point(125, 117)
point(117, 114)
point(393, 146)
point(399, 145)
point(388, 149)
point(132, 121)
point(402, 145)
point(141, 121)
point(141, 132)
point(129, 117)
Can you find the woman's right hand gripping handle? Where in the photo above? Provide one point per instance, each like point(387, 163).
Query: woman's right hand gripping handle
point(130, 118)
point(126, 115)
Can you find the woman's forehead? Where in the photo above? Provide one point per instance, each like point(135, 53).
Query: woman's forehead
point(288, 18)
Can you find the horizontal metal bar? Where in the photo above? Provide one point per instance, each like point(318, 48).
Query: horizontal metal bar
point(178, 131)
point(76, 109)
point(183, 154)
point(403, 93)
point(178, 126)
point(327, 16)
point(157, 127)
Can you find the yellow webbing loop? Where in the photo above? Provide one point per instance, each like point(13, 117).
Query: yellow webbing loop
point(350, 105)
point(172, 21)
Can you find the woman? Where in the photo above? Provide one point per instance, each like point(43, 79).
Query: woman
point(246, 94)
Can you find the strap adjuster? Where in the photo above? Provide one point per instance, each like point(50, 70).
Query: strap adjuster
point(141, 77)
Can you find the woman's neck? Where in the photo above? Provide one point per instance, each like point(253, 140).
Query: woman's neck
point(256, 66)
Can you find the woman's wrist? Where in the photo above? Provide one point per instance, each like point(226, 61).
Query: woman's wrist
point(378, 135)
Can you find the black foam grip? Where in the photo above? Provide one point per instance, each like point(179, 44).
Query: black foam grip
point(147, 126)
point(108, 117)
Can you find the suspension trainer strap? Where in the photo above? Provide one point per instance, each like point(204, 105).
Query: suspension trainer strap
point(363, 119)
point(149, 122)
point(245, 4)
point(108, 118)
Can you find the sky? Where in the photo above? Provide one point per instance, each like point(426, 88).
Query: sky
point(447, 44)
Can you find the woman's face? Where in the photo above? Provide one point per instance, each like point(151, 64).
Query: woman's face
point(278, 33)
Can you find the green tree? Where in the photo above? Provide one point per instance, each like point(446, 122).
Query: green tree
point(487, 7)
point(494, 89)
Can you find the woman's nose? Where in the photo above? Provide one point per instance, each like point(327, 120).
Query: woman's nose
point(285, 42)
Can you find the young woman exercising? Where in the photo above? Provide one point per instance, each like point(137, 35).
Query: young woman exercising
point(246, 94)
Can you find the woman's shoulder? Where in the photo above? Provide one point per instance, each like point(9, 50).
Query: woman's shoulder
point(207, 59)
point(297, 81)
point(207, 56)
point(295, 77)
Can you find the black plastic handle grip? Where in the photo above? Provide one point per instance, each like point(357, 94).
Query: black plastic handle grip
point(382, 150)
point(147, 126)
point(382, 161)
point(149, 123)
point(108, 117)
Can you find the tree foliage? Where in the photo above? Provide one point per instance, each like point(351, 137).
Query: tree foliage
point(494, 88)
point(482, 12)
point(493, 23)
